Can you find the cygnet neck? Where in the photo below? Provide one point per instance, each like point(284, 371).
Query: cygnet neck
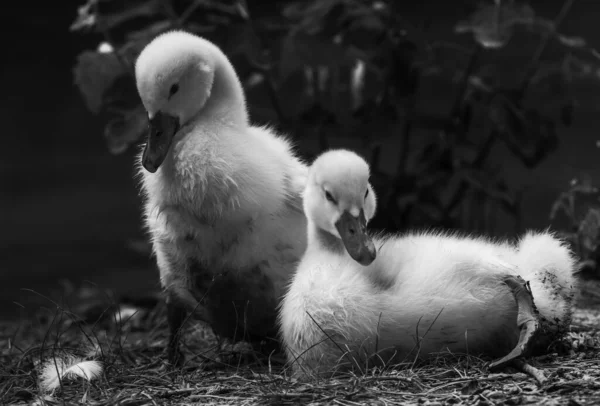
point(227, 100)
point(321, 240)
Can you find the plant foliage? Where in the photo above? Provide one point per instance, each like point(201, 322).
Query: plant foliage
point(576, 213)
point(363, 68)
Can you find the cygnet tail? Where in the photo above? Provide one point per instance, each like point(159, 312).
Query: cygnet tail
point(549, 265)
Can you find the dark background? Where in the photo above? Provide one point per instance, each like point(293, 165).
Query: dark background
point(69, 209)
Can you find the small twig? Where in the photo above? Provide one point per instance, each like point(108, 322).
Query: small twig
point(532, 67)
point(477, 163)
point(227, 398)
point(456, 124)
point(170, 11)
point(407, 127)
point(458, 102)
point(108, 38)
point(391, 379)
point(176, 392)
point(266, 71)
point(495, 377)
point(275, 101)
point(187, 13)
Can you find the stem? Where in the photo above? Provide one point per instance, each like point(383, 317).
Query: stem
point(265, 70)
point(518, 212)
point(275, 101)
point(375, 155)
point(485, 150)
point(465, 83)
point(532, 67)
point(404, 142)
point(188, 13)
point(454, 114)
point(322, 134)
point(108, 38)
point(478, 162)
point(170, 12)
point(409, 119)
point(127, 67)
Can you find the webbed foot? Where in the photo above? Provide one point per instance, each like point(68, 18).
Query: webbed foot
point(527, 320)
point(180, 303)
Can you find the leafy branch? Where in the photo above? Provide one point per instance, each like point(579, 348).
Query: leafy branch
point(355, 69)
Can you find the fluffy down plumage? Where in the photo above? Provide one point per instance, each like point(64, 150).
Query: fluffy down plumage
point(222, 200)
point(425, 293)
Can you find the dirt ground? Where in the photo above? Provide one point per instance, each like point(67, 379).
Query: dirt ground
point(135, 371)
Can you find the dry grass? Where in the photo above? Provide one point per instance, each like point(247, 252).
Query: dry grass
point(215, 373)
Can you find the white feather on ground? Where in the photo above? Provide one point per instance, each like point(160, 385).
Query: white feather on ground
point(57, 369)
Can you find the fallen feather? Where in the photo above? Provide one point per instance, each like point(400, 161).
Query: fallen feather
point(58, 369)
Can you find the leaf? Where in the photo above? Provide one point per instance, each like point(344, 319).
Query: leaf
point(149, 32)
point(331, 33)
point(530, 136)
point(86, 16)
point(58, 369)
point(90, 15)
point(589, 229)
point(488, 184)
point(316, 114)
point(125, 129)
point(365, 27)
point(492, 25)
point(403, 78)
point(94, 73)
point(299, 50)
point(294, 10)
point(572, 42)
point(137, 9)
point(105, 48)
point(312, 17)
point(138, 39)
point(122, 95)
point(357, 84)
point(567, 112)
point(242, 39)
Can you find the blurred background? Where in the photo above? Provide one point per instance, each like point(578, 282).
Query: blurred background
point(480, 116)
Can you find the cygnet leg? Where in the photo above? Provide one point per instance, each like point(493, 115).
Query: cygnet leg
point(176, 315)
point(527, 320)
point(180, 302)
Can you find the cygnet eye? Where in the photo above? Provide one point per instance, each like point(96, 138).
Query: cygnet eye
point(329, 197)
point(174, 89)
point(366, 194)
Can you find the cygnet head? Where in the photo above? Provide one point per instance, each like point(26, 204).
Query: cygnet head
point(174, 75)
point(339, 200)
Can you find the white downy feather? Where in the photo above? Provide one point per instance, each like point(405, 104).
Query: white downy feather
point(59, 369)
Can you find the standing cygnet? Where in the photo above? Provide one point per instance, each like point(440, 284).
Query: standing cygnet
point(222, 197)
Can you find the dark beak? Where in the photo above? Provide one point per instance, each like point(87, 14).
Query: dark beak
point(163, 128)
point(353, 231)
